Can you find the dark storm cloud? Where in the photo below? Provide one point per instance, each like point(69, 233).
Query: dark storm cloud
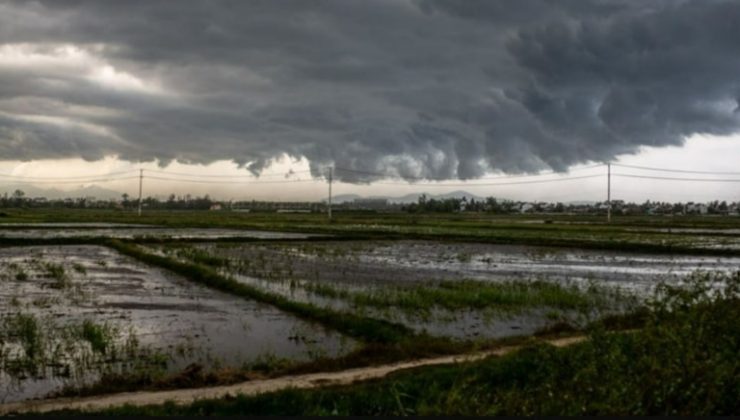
point(432, 88)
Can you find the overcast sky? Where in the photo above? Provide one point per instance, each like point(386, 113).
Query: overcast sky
point(439, 89)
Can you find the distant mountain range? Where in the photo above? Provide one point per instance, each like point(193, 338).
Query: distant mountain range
point(53, 193)
point(414, 198)
point(408, 198)
point(581, 203)
point(106, 194)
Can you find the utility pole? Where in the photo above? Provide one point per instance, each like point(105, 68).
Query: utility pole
point(331, 175)
point(141, 184)
point(608, 192)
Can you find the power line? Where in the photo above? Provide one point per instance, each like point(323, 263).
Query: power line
point(76, 182)
point(355, 171)
point(55, 178)
point(110, 174)
point(542, 181)
point(231, 182)
point(672, 193)
point(648, 168)
point(416, 178)
point(237, 179)
point(675, 178)
point(288, 173)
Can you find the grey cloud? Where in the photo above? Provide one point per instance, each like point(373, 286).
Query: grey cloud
point(649, 80)
point(417, 88)
point(27, 140)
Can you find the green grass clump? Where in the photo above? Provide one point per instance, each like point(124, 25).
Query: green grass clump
point(79, 268)
point(507, 296)
point(504, 296)
point(40, 348)
point(26, 330)
point(57, 273)
point(327, 290)
point(100, 336)
point(21, 275)
point(198, 256)
point(683, 362)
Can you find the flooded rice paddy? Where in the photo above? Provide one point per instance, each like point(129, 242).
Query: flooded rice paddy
point(95, 230)
point(413, 282)
point(365, 264)
point(69, 314)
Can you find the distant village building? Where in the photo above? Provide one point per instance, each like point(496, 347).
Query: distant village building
point(216, 206)
point(692, 208)
point(370, 203)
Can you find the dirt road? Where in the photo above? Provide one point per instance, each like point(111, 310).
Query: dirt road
point(313, 380)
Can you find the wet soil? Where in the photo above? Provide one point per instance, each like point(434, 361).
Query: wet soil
point(122, 231)
point(295, 269)
point(308, 381)
point(166, 313)
point(418, 262)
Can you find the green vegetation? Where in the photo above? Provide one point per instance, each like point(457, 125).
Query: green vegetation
point(79, 268)
point(21, 276)
point(683, 362)
point(508, 296)
point(268, 363)
point(57, 273)
point(635, 233)
point(100, 336)
point(39, 347)
point(25, 330)
point(320, 274)
point(367, 329)
point(228, 219)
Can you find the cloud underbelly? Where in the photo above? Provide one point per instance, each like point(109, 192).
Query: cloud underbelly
point(420, 89)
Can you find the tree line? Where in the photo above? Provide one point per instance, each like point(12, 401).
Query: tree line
point(424, 204)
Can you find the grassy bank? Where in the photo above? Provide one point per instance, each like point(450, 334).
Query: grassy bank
point(624, 234)
point(683, 362)
point(503, 297)
point(192, 218)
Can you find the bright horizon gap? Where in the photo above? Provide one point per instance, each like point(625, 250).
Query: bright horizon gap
point(700, 153)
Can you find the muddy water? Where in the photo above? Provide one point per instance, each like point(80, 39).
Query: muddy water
point(414, 262)
point(179, 319)
point(131, 232)
point(290, 270)
point(80, 225)
point(279, 271)
point(728, 231)
point(465, 324)
point(632, 271)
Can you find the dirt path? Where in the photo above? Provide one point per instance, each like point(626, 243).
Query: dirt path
point(313, 380)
